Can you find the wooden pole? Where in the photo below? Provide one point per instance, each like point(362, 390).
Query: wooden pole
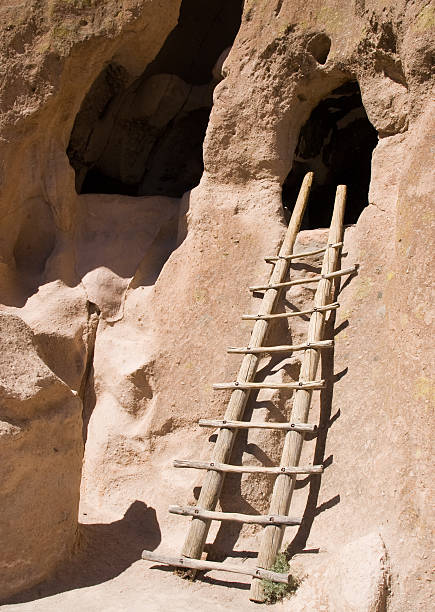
point(286, 315)
point(282, 348)
point(248, 519)
point(207, 566)
point(307, 279)
point(247, 469)
point(311, 384)
point(211, 488)
point(255, 425)
point(284, 485)
point(306, 253)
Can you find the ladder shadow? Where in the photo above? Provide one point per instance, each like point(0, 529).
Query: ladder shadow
point(292, 308)
point(244, 586)
point(312, 509)
point(306, 267)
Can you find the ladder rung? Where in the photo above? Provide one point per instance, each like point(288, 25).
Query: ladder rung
point(251, 519)
point(286, 315)
point(304, 254)
point(312, 384)
point(199, 564)
point(308, 279)
point(302, 427)
point(283, 348)
point(247, 469)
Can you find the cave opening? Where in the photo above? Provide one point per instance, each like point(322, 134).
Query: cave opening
point(336, 143)
point(146, 138)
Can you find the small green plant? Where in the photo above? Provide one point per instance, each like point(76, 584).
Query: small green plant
point(275, 591)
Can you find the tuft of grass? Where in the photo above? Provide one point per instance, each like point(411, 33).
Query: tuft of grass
point(275, 591)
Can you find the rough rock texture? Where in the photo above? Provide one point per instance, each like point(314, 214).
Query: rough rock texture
point(355, 578)
point(116, 311)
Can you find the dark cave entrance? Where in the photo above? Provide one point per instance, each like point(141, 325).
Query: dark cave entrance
point(336, 143)
point(146, 138)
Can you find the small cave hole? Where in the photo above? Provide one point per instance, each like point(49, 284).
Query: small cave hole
point(319, 47)
point(336, 143)
point(146, 137)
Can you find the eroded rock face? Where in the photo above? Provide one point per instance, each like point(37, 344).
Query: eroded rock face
point(41, 453)
point(116, 311)
point(355, 578)
point(49, 321)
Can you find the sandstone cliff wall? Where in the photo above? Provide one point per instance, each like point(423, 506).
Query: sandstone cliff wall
point(117, 310)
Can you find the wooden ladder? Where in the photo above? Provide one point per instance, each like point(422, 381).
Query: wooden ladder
point(277, 519)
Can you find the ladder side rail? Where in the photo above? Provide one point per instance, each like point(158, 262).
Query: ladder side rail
point(284, 484)
point(213, 481)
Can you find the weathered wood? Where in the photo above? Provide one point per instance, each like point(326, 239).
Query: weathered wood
point(311, 384)
point(286, 315)
point(247, 469)
point(253, 425)
point(284, 485)
point(197, 564)
point(249, 519)
point(284, 348)
point(307, 279)
point(210, 490)
point(304, 253)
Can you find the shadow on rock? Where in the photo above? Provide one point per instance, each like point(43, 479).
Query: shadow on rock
point(105, 550)
point(313, 509)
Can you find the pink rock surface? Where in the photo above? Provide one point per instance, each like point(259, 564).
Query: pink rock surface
point(117, 310)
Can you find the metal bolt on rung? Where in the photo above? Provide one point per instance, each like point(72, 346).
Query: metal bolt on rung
point(283, 469)
point(196, 511)
point(211, 464)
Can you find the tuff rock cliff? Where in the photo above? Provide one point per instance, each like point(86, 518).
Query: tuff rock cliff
point(147, 149)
